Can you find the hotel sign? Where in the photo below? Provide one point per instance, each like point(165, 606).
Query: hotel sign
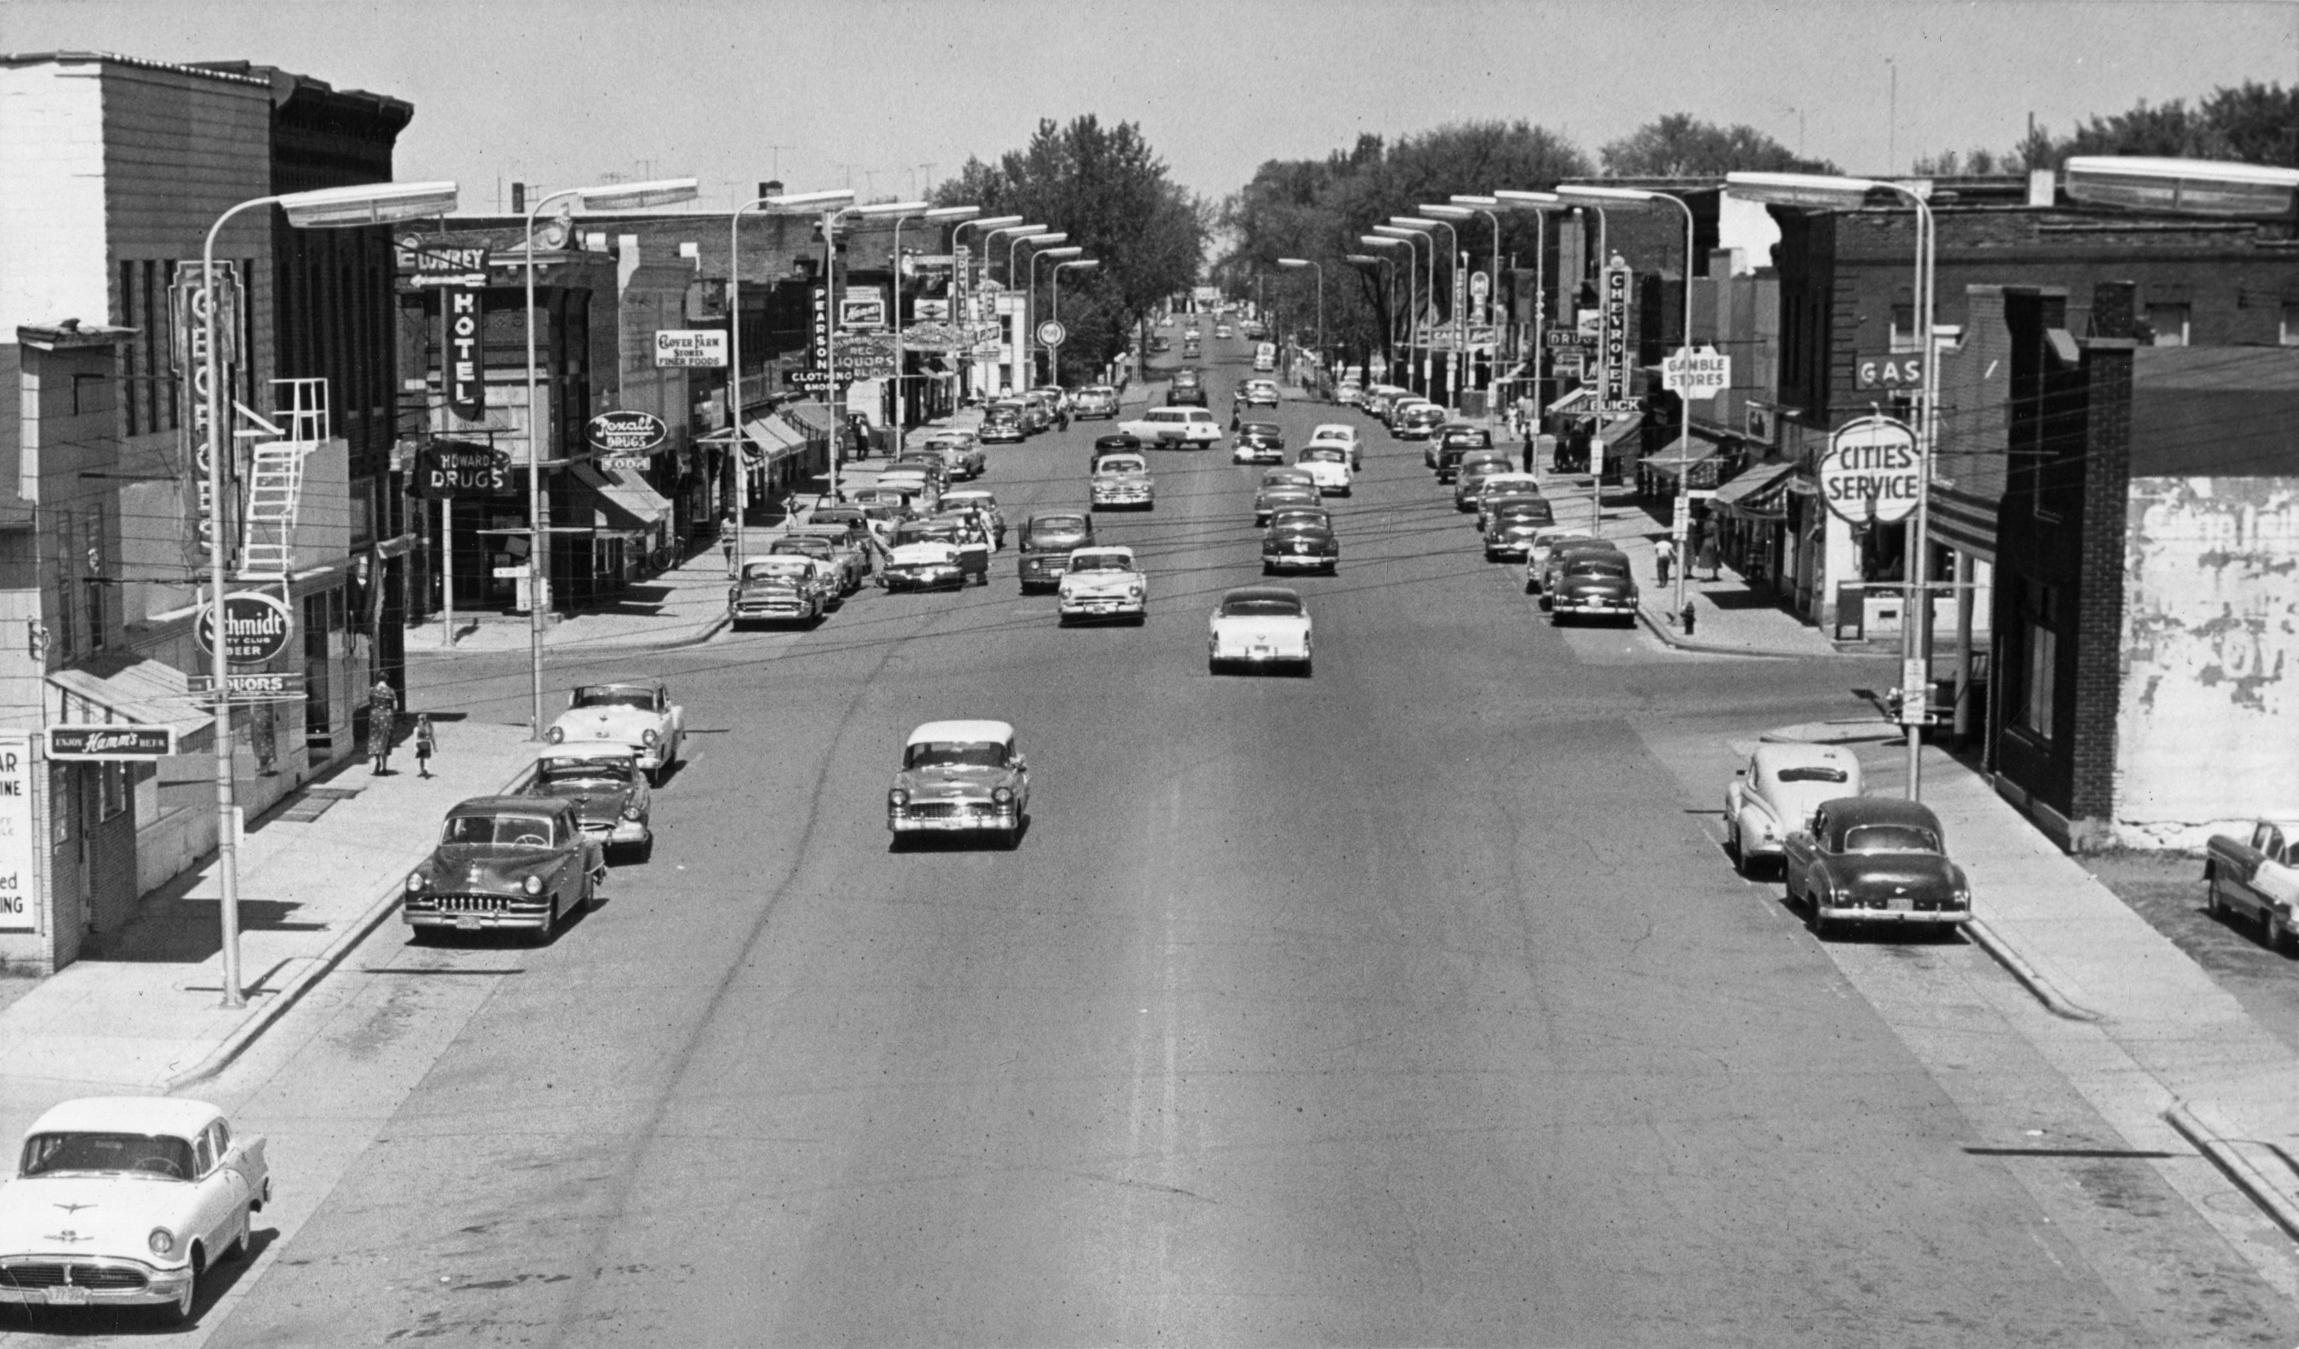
point(465, 360)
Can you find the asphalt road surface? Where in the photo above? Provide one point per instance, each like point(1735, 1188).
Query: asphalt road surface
point(1407, 1004)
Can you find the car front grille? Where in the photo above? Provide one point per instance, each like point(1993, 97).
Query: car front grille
point(947, 810)
point(78, 1274)
point(472, 904)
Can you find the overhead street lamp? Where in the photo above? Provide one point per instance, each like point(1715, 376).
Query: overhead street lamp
point(1450, 217)
point(1041, 235)
point(962, 296)
point(603, 197)
point(324, 208)
point(1425, 227)
point(1295, 265)
point(1590, 195)
point(1028, 312)
point(1540, 204)
point(736, 403)
point(1412, 281)
point(1082, 264)
point(1816, 191)
point(1417, 336)
point(894, 315)
point(1057, 254)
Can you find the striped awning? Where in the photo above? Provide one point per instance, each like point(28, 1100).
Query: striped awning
point(1756, 492)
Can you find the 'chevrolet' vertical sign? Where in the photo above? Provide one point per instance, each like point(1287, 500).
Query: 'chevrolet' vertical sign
point(464, 360)
point(1613, 336)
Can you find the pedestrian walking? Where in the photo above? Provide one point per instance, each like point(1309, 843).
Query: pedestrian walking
point(426, 745)
point(1708, 552)
point(1664, 559)
point(382, 723)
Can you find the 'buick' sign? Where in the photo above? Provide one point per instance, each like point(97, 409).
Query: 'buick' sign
point(626, 432)
point(256, 627)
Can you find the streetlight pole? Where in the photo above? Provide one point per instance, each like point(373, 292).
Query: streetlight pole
point(1083, 265)
point(1028, 301)
point(1488, 207)
point(1598, 196)
point(1448, 216)
point(989, 239)
point(1412, 281)
point(326, 208)
point(913, 210)
point(1427, 227)
point(1296, 264)
point(1387, 285)
point(1057, 254)
point(736, 404)
point(1419, 338)
point(604, 197)
point(962, 299)
point(1540, 204)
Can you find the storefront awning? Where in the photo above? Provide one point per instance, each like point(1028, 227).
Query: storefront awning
point(1756, 492)
point(1613, 433)
point(124, 688)
point(1677, 458)
point(1586, 391)
point(626, 502)
point(775, 439)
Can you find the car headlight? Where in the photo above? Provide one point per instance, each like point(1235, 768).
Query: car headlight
point(161, 1241)
point(556, 734)
point(651, 737)
point(1004, 796)
point(898, 797)
point(533, 885)
point(415, 882)
point(632, 812)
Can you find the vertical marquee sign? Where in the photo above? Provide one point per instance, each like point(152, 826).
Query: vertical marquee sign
point(1613, 334)
point(466, 372)
point(210, 520)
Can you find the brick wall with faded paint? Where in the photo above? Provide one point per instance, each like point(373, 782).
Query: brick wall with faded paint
point(2208, 717)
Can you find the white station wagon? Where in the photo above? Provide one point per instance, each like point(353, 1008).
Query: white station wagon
point(127, 1201)
point(1190, 428)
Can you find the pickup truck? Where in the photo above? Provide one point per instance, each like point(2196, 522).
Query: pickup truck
point(838, 553)
point(2258, 880)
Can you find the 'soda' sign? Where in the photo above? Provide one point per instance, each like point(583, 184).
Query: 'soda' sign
point(626, 432)
point(1873, 473)
point(256, 627)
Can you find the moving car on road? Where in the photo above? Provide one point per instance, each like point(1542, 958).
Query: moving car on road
point(1188, 388)
point(1287, 485)
point(1104, 583)
point(612, 801)
point(1259, 443)
point(1122, 480)
point(1512, 527)
point(505, 863)
point(1002, 422)
point(1259, 393)
point(637, 714)
point(127, 1201)
point(917, 562)
point(1094, 400)
point(1047, 539)
point(1300, 538)
point(985, 506)
point(960, 777)
point(2257, 879)
point(1175, 427)
point(1777, 792)
point(779, 588)
point(1257, 627)
point(1341, 433)
point(1875, 860)
point(1328, 467)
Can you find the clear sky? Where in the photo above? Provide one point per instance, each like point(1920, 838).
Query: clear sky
point(891, 95)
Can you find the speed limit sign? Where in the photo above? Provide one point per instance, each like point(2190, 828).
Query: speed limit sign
point(1051, 333)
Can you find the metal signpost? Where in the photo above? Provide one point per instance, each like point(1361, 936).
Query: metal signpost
point(1691, 374)
point(1874, 473)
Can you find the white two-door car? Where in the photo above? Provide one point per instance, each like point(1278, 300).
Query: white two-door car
point(1775, 793)
point(1104, 583)
point(1328, 467)
point(960, 777)
point(1341, 433)
point(639, 714)
point(127, 1201)
point(1259, 626)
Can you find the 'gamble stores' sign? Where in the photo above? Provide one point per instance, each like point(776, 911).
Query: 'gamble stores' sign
point(111, 744)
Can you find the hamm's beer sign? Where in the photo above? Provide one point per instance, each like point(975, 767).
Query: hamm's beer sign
point(111, 744)
point(256, 627)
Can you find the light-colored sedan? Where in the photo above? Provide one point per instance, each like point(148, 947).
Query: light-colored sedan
point(640, 715)
point(1257, 627)
point(1104, 582)
point(1328, 467)
point(1774, 794)
point(960, 777)
point(1122, 480)
point(128, 1201)
point(1341, 433)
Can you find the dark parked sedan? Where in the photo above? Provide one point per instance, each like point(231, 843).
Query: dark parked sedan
point(505, 862)
point(1593, 588)
point(1514, 524)
point(1875, 859)
point(1046, 543)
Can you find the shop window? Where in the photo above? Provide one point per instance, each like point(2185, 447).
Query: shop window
point(61, 803)
point(66, 629)
point(2170, 324)
point(1903, 326)
point(2035, 705)
point(113, 787)
point(2288, 335)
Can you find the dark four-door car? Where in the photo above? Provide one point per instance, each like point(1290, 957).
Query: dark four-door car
point(1300, 538)
point(505, 862)
point(1875, 859)
point(1046, 543)
point(611, 795)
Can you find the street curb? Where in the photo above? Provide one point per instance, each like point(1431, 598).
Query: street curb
point(1823, 732)
point(2029, 977)
point(1669, 638)
point(691, 636)
point(2235, 1166)
point(324, 963)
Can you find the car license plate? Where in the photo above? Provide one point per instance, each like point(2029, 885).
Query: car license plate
point(1261, 653)
point(67, 1295)
point(466, 922)
point(1902, 904)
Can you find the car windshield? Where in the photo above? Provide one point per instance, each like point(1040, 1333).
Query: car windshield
point(1261, 429)
point(926, 531)
point(1101, 562)
point(780, 568)
point(1890, 838)
point(609, 695)
point(523, 831)
point(1814, 773)
point(955, 754)
point(559, 772)
point(1261, 606)
point(1056, 526)
point(137, 1154)
point(1121, 463)
point(1320, 454)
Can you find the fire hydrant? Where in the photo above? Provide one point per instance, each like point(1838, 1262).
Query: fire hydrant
point(1686, 616)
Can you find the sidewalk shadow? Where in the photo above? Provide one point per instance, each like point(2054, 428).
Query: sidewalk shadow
point(186, 931)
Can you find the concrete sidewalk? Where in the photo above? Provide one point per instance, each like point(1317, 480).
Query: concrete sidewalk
point(682, 606)
point(316, 874)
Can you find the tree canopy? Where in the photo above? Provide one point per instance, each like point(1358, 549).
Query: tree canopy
point(1106, 189)
point(1679, 145)
point(2250, 123)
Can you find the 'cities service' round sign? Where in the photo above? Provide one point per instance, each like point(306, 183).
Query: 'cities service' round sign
point(256, 627)
point(1873, 474)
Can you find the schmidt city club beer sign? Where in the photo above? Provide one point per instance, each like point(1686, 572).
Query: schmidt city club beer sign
point(256, 627)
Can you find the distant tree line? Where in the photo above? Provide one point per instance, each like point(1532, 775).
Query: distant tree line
point(2251, 123)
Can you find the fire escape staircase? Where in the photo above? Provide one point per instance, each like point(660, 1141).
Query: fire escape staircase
point(275, 478)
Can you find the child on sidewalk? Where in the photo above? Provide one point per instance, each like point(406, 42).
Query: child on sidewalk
point(425, 745)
